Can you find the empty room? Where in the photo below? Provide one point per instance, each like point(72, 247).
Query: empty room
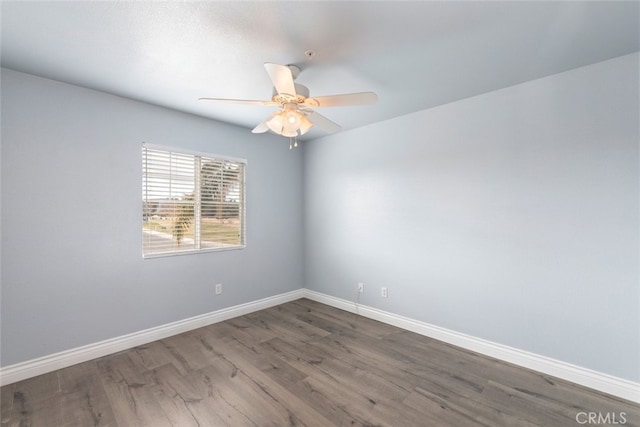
point(320, 213)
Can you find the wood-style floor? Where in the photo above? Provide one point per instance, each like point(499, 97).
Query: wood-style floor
point(303, 364)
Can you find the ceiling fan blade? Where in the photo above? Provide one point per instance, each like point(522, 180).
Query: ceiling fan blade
point(241, 101)
point(362, 98)
point(281, 77)
point(322, 122)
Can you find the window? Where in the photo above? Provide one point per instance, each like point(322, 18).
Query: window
point(191, 202)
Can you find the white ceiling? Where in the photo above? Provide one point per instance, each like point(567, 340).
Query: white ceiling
point(414, 55)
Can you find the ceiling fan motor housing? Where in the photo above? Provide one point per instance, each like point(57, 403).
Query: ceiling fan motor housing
point(302, 93)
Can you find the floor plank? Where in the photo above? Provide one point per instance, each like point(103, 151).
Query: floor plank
point(301, 364)
point(84, 400)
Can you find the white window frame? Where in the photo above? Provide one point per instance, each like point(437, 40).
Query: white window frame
point(197, 206)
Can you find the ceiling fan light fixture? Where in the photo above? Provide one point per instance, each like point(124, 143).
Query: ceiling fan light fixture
point(289, 122)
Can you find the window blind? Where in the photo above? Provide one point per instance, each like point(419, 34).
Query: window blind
point(191, 202)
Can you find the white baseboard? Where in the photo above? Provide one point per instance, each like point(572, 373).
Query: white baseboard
point(63, 359)
point(596, 380)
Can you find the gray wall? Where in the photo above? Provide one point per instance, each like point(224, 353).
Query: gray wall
point(511, 216)
point(72, 270)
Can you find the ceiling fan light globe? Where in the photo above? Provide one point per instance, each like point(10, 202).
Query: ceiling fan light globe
point(291, 127)
point(292, 118)
point(276, 124)
point(289, 133)
point(305, 124)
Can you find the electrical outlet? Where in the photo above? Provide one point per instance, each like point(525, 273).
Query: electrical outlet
point(218, 288)
point(361, 287)
point(384, 293)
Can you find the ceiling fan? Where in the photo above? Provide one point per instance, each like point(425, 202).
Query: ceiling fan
point(295, 115)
